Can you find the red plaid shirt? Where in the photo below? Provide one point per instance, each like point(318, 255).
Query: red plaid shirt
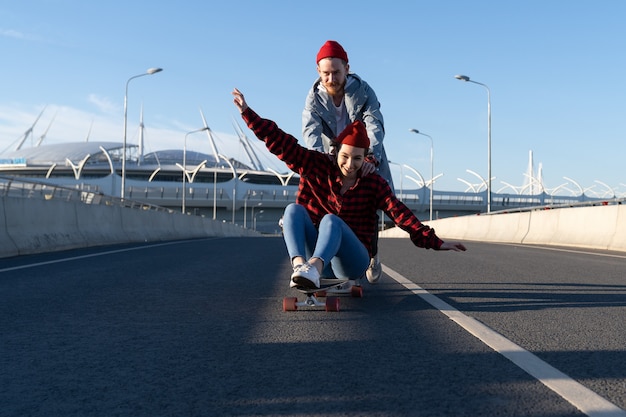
point(320, 185)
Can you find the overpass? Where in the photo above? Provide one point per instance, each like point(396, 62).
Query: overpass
point(257, 199)
point(41, 217)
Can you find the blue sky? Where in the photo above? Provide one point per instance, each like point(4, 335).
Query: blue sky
point(554, 68)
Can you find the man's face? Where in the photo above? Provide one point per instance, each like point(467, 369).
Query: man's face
point(333, 72)
point(350, 159)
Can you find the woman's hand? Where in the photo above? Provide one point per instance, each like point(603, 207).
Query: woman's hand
point(455, 246)
point(239, 101)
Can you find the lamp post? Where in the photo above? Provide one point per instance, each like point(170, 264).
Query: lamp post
point(431, 168)
point(253, 218)
point(232, 167)
point(185, 163)
point(148, 72)
point(245, 208)
point(467, 79)
point(217, 163)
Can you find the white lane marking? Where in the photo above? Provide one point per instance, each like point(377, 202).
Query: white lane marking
point(573, 392)
point(92, 255)
point(574, 250)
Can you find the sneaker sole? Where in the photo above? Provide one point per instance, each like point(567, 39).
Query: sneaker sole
point(373, 279)
point(304, 283)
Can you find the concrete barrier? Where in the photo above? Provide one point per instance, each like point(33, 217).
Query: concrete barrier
point(32, 225)
point(44, 225)
point(594, 227)
point(100, 224)
point(618, 241)
point(38, 225)
point(7, 246)
point(143, 226)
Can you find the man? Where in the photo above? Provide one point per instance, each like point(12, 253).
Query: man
point(329, 230)
point(337, 99)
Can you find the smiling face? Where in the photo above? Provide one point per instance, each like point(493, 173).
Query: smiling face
point(350, 159)
point(333, 72)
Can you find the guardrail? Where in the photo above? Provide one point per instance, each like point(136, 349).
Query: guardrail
point(553, 206)
point(13, 187)
point(154, 198)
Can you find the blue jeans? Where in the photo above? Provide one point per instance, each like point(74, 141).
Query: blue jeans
point(333, 242)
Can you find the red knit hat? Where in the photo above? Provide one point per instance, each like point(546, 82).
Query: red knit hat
point(354, 134)
point(332, 49)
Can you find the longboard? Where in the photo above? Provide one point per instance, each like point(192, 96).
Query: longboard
point(329, 288)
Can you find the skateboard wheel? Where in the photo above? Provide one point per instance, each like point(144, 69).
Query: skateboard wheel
point(289, 304)
point(356, 291)
point(332, 304)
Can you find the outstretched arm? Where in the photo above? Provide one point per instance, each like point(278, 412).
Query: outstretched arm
point(278, 142)
point(421, 235)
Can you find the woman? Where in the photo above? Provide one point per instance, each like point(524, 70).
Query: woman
point(329, 231)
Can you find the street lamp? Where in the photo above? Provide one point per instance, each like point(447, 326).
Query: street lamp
point(149, 72)
point(467, 79)
point(431, 168)
point(185, 163)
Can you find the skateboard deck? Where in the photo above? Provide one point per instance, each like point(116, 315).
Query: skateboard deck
point(329, 288)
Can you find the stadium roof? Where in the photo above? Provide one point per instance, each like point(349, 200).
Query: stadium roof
point(59, 153)
point(48, 155)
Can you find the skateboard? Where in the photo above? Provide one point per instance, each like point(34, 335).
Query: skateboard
point(329, 288)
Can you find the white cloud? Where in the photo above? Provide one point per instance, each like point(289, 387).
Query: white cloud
point(103, 104)
point(10, 33)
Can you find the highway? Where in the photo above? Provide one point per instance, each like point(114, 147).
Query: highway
point(196, 328)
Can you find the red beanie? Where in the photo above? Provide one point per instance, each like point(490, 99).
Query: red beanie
point(354, 134)
point(332, 49)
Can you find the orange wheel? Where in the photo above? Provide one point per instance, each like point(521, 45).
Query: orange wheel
point(356, 291)
point(289, 304)
point(332, 304)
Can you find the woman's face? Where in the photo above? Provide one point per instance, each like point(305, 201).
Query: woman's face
point(350, 159)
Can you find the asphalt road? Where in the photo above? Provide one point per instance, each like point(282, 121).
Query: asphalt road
point(196, 328)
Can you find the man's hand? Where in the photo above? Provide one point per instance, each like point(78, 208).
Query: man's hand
point(367, 168)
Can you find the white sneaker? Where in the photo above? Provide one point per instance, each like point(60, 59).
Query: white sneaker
point(374, 271)
point(305, 276)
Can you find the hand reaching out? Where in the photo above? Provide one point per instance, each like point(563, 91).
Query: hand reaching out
point(239, 100)
point(455, 246)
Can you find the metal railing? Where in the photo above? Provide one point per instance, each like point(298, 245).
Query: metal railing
point(84, 193)
point(552, 205)
point(273, 197)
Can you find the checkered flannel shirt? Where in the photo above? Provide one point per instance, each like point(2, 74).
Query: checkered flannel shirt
point(320, 186)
